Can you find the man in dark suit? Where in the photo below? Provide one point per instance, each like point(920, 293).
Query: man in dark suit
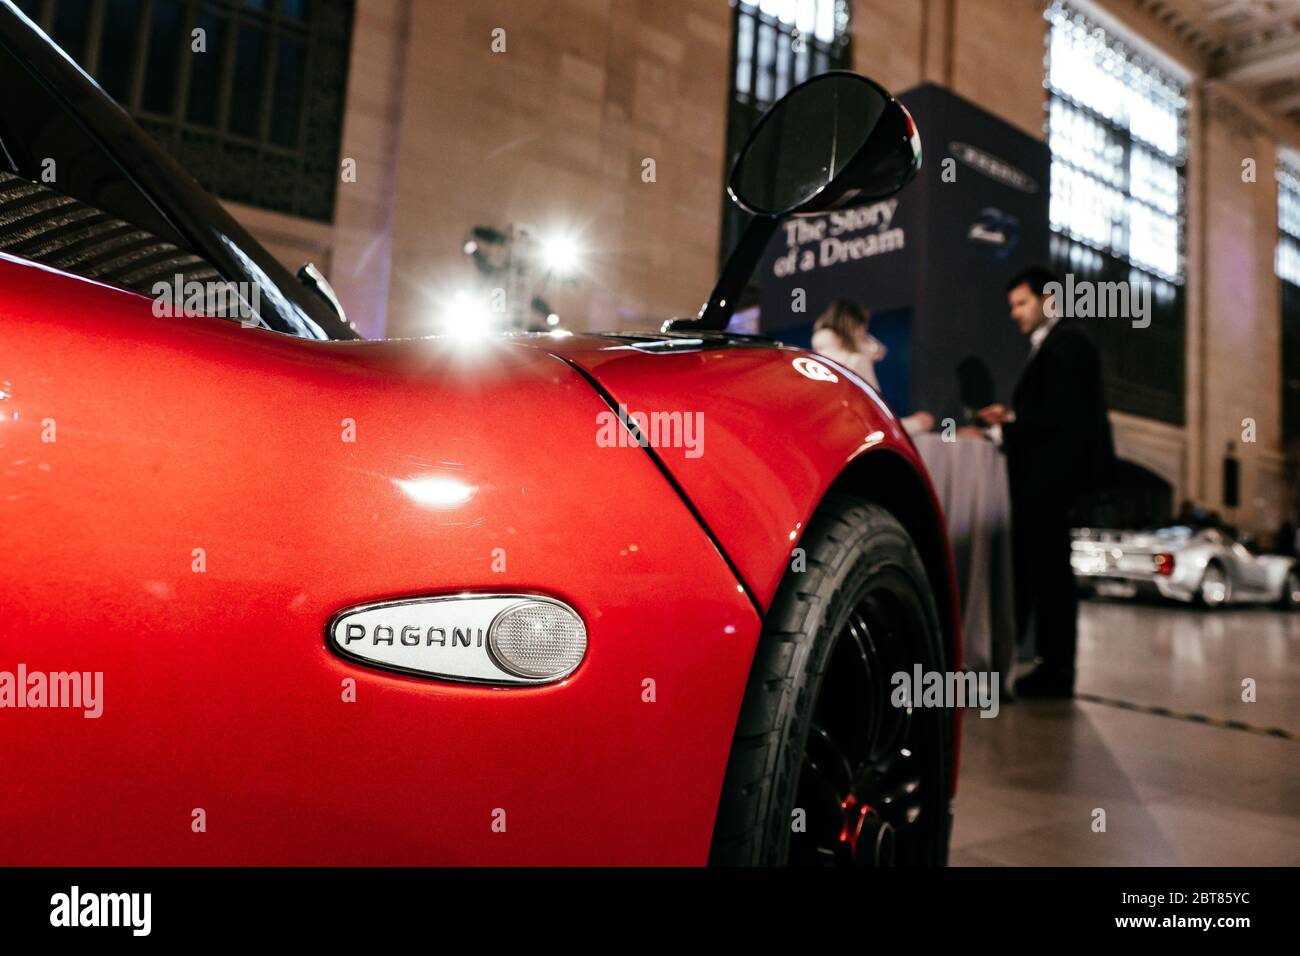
point(1057, 440)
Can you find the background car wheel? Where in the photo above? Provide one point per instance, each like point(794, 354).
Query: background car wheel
point(1214, 590)
point(1291, 590)
point(817, 732)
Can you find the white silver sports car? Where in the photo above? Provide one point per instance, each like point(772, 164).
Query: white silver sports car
point(1207, 566)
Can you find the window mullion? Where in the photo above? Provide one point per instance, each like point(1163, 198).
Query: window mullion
point(188, 22)
point(136, 96)
point(226, 82)
point(94, 36)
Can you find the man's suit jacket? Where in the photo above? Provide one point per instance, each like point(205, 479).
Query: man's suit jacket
point(1059, 445)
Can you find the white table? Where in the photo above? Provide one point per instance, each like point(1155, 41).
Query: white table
point(970, 479)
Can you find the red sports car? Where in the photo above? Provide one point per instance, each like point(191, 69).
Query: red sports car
point(276, 595)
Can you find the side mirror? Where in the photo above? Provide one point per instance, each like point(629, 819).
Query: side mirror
point(833, 140)
point(836, 139)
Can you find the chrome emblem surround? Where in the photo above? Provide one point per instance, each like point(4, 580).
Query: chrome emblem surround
point(447, 637)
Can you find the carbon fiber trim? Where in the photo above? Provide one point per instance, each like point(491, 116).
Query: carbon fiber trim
point(44, 226)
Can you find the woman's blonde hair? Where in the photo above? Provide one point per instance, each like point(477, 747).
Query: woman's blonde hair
point(847, 320)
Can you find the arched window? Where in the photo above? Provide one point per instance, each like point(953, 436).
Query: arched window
point(246, 94)
point(1116, 127)
point(776, 45)
point(1288, 218)
point(1288, 270)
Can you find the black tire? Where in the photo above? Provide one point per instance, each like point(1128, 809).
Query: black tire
point(862, 608)
point(1290, 600)
point(1220, 574)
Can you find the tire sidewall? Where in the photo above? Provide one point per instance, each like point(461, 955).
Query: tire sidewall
point(881, 554)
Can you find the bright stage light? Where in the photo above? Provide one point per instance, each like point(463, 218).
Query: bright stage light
point(561, 254)
point(466, 316)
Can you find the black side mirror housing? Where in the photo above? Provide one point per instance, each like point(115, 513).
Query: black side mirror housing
point(834, 140)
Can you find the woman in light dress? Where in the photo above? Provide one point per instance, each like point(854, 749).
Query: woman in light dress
point(840, 333)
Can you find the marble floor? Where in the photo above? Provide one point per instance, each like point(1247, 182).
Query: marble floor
point(1174, 791)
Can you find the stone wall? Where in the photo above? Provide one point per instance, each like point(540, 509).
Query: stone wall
point(554, 133)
